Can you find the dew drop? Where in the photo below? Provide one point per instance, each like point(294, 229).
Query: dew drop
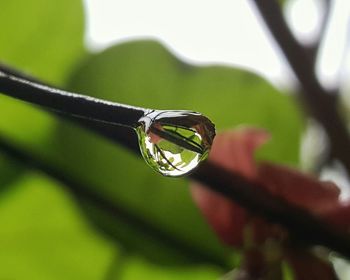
point(174, 142)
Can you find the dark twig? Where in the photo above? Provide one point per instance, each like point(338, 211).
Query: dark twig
point(85, 191)
point(93, 109)
point(318, 100)
point(300, 223)
point(126, 136)
point(70, 103)
point(315, 47)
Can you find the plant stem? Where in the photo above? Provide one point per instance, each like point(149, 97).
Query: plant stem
point(84, 107)
point(319, 101)
point(302, 225)
point(70, 103)
point(85, 191)
point(314, 47)
point(124, 135)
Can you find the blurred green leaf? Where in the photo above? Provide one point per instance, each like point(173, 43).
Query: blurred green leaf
point(145, 74)
point(45, 39)
point(283, 2)
point(44, 236)
point(9, 171)
point(137, 268)
point(142, 236)
point(42, 37)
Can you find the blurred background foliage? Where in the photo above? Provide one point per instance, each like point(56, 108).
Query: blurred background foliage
point(45, 232)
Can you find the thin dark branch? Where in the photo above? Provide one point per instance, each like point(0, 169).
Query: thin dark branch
point(319, 101)
point(70, 103)
point(92, 109)
point(14, 72)
point(301, 224)
point(126, 136)
point(248, 194)
point(85, 191)
point(315, 47)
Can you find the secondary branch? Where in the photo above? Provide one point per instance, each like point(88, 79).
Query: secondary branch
point(319, 101)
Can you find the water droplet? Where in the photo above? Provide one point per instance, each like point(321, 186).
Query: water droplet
point(175, 142)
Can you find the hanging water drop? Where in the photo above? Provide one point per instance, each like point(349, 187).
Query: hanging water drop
point(175, 142)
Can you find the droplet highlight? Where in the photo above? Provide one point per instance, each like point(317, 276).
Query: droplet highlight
point(173, 143)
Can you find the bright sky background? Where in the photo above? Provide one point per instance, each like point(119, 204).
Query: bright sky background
point(223, 31)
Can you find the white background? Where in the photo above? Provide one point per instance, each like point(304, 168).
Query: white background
point(222, 31)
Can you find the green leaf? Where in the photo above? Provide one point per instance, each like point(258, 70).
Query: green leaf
point(44, 236)
point(137, 268)
point(145, 74)
point(43, 38)
point(9, 171)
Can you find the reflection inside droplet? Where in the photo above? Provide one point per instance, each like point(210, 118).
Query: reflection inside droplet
point(175, 142)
